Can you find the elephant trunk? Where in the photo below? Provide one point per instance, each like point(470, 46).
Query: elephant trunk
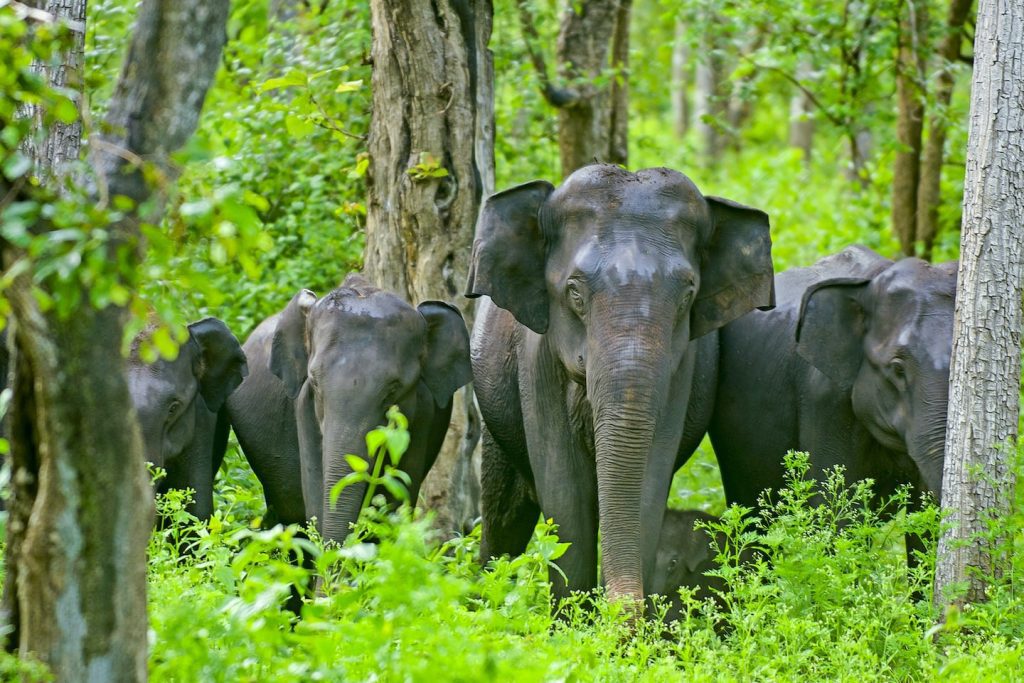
point(626, 389)
point(927, 442)
point(339, 441)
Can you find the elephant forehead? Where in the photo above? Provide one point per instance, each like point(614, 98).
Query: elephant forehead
point(617, 197)
point(627, 258)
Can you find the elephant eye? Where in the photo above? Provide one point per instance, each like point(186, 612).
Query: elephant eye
point(672, 563)
point(172, 410)
point(572, 291)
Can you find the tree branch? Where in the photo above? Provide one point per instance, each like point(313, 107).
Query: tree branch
point(557, 97)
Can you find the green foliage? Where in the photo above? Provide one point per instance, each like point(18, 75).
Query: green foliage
point(828, 598)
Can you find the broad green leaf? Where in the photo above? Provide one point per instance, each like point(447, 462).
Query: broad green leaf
point(349, 86)
point(356, 463)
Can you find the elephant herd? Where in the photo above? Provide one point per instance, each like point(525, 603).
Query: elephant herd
point(624, 316)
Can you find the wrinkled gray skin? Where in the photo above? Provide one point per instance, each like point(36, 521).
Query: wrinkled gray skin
point(180, 404)
point(852, 366)
point(323, 374)
point(685, 554)
point(583, 360)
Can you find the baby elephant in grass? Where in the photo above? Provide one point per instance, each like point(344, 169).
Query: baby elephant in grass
point(685, 553)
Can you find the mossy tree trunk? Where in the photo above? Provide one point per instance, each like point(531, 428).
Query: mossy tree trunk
point(431, 163)
point(79, 558)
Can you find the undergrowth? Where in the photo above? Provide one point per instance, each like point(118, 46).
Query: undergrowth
point(829, 597)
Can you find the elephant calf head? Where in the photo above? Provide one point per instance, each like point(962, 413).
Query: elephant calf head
point(345, 358)
point(685, 554)
point(885, 339)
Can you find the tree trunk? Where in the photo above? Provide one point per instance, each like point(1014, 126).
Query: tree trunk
point(62, 141)
point(928, 191)
point(585, 129)
point(433, 110)
point(681, 71)
point(618, 142)
point(910, 98)
point(985, 367)
point(710, 103)
point(80, 562)
point(801, 125)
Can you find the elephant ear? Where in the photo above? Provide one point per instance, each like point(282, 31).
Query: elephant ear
point(830, 330)
point(288, 356)
point(446, 365)
point(509, 254)
point(736, 274)
point(220, 364)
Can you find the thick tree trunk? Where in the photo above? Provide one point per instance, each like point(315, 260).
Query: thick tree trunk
point(433, 108)
point(985, 370)
point(928, 191)
point(681, 73)
point(79, 562)
point(618, 142)
point(585, 129)
point(910, 98)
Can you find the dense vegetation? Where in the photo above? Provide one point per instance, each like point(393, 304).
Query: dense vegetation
point(271, 200)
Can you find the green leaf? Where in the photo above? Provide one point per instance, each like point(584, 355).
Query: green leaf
point(349, 86)
point(293, 78)
point(16, 165)
point(298, 127)
point(164, 344)
point(65, 111)
point(356, 463)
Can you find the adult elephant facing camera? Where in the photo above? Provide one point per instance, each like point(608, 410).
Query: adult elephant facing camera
point(323, 373)
point(583, 361)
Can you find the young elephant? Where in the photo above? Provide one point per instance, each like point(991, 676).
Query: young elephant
point(852, 366)
point(180, 408)
point(685, 554)
point(323, 373)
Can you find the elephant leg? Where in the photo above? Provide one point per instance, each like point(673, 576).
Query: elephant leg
point(508, 508)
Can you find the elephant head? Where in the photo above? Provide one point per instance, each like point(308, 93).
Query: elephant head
point(618, 271)
point(885, 339)
point(685, 555)
point(176, 402)
point(344, 359)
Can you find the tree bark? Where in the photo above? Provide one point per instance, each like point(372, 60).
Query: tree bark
point(910, 98)
point(592, 120)
point(928, 191)
point(681, 73)
point(710, 102)
point(62, 141)
point(985, 369)
point(80, 561)
point(801, 125)
point(433, 106)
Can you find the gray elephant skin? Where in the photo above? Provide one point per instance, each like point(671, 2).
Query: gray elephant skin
point(584, 355)
point(180, 408)
point(323, 373)
point(852, 366)
point(685, 555)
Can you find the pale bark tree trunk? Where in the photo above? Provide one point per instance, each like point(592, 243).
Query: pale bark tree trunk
point(910, 98)
point(801, 125)
point(433, 103)
point(80, 564)
point(592, 121)
point(62, 141)
point(985, 370)
point(928, 191)
point(681, 73)
point(710, 103)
